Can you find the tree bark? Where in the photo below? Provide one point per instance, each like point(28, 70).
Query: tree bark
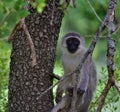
point(26, 83)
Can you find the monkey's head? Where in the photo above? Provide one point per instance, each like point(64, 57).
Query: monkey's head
point(73, 43)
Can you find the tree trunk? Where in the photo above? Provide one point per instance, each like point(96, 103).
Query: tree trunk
point(26, 83)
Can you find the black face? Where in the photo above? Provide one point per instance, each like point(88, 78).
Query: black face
point(72, 44)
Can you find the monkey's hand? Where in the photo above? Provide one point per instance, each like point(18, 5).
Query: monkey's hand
point(82, 87)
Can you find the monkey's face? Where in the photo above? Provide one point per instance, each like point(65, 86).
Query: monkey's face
point(72, 44)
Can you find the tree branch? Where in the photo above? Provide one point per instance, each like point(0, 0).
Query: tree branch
point(51, 87)
point(32, 47)
point(109, 18)
point(103, 96)
point(111, 68)
point(22, 25)
point(110, 56)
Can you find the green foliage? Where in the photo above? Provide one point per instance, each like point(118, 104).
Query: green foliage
point(12, 11)
point(39, 5)
point(80, 19)
point(112, 100)
point(5, 50)
point(58, 68)
point(10, 14)
point(59, 71)
point(117, 61)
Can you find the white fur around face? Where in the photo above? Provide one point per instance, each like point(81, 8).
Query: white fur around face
point(71, 60)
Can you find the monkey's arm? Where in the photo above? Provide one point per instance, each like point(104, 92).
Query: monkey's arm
point(83, 83)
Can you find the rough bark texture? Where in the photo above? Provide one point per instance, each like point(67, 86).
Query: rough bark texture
point(26, 82)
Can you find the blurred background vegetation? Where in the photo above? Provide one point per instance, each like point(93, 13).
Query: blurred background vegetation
point(81, 19)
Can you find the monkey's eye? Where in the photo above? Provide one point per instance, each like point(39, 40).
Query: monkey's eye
point(76, 42)
point(69, 41)
point(72, 41)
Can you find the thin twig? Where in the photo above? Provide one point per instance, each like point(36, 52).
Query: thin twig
point(94, 11)
point(111, 13)
point(110, 54)
point(59, 81)
point(43, 93)
point(103, 96)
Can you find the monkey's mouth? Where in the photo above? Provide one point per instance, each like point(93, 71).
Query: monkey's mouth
point(72, 49)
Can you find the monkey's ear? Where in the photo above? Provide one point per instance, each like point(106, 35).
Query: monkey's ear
point(64, 42)
point(64, 45)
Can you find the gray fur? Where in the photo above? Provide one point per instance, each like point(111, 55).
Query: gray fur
point(87, 78)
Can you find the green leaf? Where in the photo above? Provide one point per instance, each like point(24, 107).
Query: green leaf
point(4, 26)
point(39, 4)
point(22, 13)
point(40, 7)
point(19, 4)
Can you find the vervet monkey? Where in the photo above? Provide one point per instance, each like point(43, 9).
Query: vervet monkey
point(73, 49)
